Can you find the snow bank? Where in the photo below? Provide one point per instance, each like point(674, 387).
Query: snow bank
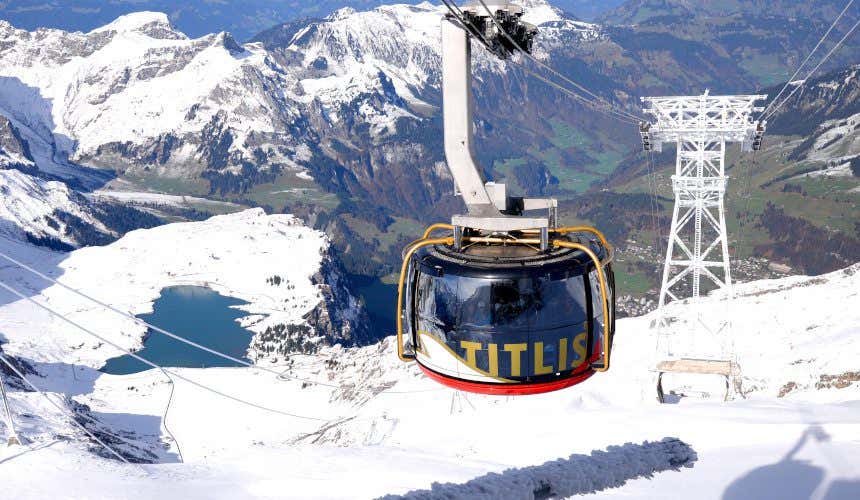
point(575, 475)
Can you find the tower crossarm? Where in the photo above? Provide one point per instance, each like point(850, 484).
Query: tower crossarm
point(727, 118)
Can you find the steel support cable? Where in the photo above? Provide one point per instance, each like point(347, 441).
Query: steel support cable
point(150, 363)
point(68, 413)
point(652, 188)
point(553, 71)
point(458, 15)
point(166, 410)
point(802, 64)
point(812, 72)
point(594, 105)
point(280, 375)
point(160, 330)
point(748, 196)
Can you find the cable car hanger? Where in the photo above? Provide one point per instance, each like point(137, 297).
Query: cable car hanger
point(508, 302)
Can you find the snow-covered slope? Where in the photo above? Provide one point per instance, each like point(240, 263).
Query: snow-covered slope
point(41, 200)
point(825, 112)
point(385, 429)
point(248, 255)
point(35, 209)
point(30, 204)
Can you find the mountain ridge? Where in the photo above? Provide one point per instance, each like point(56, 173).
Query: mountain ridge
point(337, 119)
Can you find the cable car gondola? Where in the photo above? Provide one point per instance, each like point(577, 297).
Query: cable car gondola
point(500, 316)
point(507, 303)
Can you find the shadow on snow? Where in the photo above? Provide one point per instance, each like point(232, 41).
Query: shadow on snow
point(791, 478)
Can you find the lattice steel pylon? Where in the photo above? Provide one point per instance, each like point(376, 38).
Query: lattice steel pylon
point(700, 126)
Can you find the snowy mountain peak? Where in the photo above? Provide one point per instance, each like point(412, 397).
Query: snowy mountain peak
point(153, 24)
point(341, 13)
point(538, 12)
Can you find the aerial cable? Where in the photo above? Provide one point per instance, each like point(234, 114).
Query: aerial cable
point(62, 410)
point(553, 71)
point(150, 363)
point(458, 15)
point(802, 64)
point(809, 75)
point(654, 203)
point(623, 116)
point(166, 410)
point(280, 375)
point(583, 100)
point(162, 331)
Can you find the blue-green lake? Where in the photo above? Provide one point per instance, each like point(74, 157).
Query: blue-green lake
point(198, 314)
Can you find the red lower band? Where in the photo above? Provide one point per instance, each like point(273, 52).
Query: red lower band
point(512, 389)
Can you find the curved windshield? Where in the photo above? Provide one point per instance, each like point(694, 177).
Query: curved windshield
point(539, 303)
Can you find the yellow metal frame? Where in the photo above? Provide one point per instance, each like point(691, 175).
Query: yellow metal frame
point(434, 227)
point(598, 265)
point(601, 278)
point(407, 256)
point(585, 229)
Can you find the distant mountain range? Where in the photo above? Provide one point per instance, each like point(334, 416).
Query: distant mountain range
point(196, 18)
point(337, 118)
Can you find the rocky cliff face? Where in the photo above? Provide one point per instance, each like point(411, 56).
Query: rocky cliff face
point(14, 149)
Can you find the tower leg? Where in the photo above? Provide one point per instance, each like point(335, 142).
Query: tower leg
point(670, 250)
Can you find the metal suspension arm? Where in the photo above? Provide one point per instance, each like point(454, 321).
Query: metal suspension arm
point(457, 111)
